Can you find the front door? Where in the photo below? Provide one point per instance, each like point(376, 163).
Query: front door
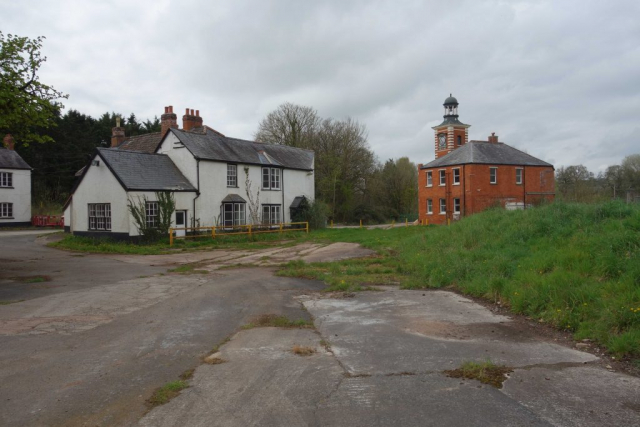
point(181, 222)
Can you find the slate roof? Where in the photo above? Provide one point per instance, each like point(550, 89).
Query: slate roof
point(9, 159)
point(147, 142)
point(212, 146)
point(233, 198)
point(484, 152)
point(139, 171)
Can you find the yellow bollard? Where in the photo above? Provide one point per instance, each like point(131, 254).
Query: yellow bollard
point(448, 221)
point(360, 223)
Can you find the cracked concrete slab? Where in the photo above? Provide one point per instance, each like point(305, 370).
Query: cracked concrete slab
point(583, 396)
point(401, 324)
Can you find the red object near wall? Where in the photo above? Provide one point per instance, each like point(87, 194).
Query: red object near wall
point(47, 221)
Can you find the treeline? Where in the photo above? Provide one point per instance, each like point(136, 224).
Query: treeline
point(73, 140)
point(578, 184)
point(349, 178)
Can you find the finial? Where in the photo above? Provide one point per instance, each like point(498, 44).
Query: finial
point(117, 121)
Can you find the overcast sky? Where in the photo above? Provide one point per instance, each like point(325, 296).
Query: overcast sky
point(558, 79)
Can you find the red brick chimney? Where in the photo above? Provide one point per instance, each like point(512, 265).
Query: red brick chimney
point(191, 120)
point(493, 138)
point(168, 120)
point(8, 142)
point(117, 134)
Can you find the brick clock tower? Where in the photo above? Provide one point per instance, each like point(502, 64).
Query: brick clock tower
point(451, 133)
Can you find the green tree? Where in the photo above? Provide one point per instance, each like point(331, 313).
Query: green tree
point(27, 106)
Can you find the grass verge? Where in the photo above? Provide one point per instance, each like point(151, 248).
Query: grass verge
point(187, 269)
point(303, 351)
point(167, 392)
point(485, 372)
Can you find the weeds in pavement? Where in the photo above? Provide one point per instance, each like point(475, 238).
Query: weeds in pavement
point(277, 321)
point(32, 279)
point(10, 302)
point(188, 269)
point(303, 351)
point(485, 372)
point(167, 392)
point(214, 360)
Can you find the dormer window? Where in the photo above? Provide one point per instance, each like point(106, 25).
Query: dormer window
point(270, 178)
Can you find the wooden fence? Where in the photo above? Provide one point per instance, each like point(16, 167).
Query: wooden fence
point(222, 230)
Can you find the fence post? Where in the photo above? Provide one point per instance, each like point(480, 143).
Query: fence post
point(213, 232)
point(331, 223)
point(360, 223)
point(307, 226)
point(170, 237)
point(280, 228)
point(249, 229)
point(406, 222)
point(448, 221)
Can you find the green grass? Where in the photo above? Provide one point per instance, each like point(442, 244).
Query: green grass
point(574, 266)
point(10, 302)
point(108, 246)
point(188, 269)
point(273, 320)
point(167, 392)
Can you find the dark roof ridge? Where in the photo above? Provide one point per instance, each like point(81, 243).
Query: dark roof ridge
point(249, 141)
point(115, 150)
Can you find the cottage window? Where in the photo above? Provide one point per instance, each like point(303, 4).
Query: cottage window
point(271, 214)
point(100, 216)
point(443, 178)
point(443, 206)
point(6, 210)
point(232, 175)
point(493, 175)
point(270, 178)
point(234, 214)
point(6, 179)
point(456, 177)
point(429, 179)
point(151, 214)
point(429, 206)
point(519, 176)
point(456, 205)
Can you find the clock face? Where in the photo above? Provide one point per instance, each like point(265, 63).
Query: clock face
point(442, 141)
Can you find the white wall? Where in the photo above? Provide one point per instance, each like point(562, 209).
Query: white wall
point(19, 195)
point(99, 186)
point(184, 201)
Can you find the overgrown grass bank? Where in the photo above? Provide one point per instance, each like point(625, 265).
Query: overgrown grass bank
point(574, 266)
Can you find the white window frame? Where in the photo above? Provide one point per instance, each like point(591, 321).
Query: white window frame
point(151, 214)
point(429, 207)
point(443, 202)
point(6, 179)
point(271, 214)
point(6, 210)
point(456, 201)
point(238, 214)
point(519, 181)
point(272, 177)
point(99, 216)
point(443, 177)
point(493, 175)
point(456, 174)
point(429, 179)
point(232, 175)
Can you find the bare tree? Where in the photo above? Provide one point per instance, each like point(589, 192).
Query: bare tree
point(290, 124)
point(254, 202)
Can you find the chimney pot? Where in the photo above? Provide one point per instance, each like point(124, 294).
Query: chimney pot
point(168, 120)
point(186, 112)
point(9, 142)
point(192, 111)
point(197, 112)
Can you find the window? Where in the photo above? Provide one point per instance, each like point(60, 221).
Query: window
point(6, 210)
point(151, 214)
point(518, 176)
point(429, 179)
point(443, 178)
point(493, 175)
point(456, 205)
point(100, 216)
point(6, 179)
point(429, 206)
point(456, 177)
point(232, 175)
point(234, 214)
point(459, 140)
point(443, 206)
point(270, 178)
point(270, 214)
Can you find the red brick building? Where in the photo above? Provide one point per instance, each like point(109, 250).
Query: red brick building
point(469, 176)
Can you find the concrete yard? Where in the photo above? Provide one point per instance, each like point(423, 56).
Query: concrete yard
point(90, 344)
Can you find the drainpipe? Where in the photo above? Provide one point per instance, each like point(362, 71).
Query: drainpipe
point(193, 216)
point(524, 187)
point(464, 193)
point(282, 185)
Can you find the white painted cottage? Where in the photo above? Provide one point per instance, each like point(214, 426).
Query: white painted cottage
point(207, 172)
point(15, 187)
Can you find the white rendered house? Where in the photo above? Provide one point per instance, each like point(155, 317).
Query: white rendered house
point(216, 180)
point(15, 187)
